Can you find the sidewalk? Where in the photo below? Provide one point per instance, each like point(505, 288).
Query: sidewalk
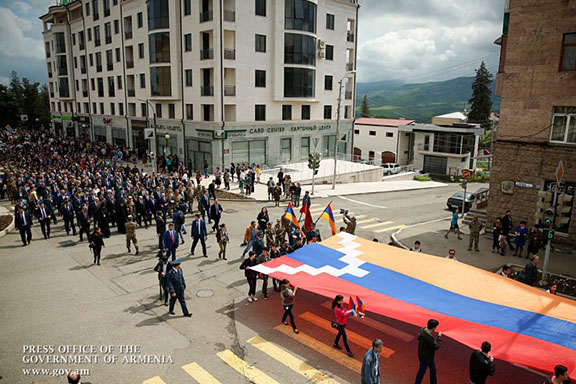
point(431, 235)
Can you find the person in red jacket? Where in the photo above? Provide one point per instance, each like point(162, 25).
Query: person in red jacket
point(341, 318)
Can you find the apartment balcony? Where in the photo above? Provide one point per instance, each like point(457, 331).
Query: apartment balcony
point(348, 95)
point(129, 64)
point(229, 15)
point(206, 16)
point(128, 35)
point(131, 93)
point(350, 36)
point(207, 90)
point(206, 54)
point(229, 54)
point(349, 66)
point(229, 90)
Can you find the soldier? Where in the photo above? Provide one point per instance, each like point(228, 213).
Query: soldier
point(475, 228)
point(131, 234)
point(350, 224)
point(269, 235)
point(287, 223)
point(279, 232)
point(176, 287)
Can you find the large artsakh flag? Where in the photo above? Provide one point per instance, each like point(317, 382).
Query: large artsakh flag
point(525, 325)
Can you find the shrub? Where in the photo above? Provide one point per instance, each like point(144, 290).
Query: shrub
point(422, 178)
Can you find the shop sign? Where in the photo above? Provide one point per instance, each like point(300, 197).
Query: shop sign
point(296, 128)
point(174, 128)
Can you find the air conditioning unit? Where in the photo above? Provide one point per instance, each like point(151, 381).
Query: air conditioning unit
point(321, 44)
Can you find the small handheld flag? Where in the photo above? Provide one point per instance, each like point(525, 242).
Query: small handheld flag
point(351, 307)
point(290, 215)
point(329, 217)
point(361, 308)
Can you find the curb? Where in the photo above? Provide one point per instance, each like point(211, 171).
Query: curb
point(8, 228)
point(399, 244)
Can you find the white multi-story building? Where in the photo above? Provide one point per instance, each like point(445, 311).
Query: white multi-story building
point(227, 80)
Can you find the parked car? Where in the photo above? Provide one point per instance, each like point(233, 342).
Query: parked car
point(391, 168)
point(455, 201)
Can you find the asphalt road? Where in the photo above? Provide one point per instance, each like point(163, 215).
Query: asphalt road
point(52, 295)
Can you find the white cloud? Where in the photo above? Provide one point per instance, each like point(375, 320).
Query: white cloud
point(21, 6)
point(16, 42)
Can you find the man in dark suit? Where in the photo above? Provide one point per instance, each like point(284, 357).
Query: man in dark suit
point(199, 233)
point(176, 286)
point(68, 216)
point(171, 241)
point(23, 221)
point(160, 229)
point(204, 206)
point(163, 268)
point(83, 222)
point(44, 215)
point(215, 214)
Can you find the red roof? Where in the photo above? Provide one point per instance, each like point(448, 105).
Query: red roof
point(383, 122)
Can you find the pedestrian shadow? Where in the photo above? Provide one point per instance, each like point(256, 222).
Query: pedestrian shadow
point(12, 246)
point(153, 321)
point(235, 261)
point(208, 262)
point(80, 267)
point(237, 284)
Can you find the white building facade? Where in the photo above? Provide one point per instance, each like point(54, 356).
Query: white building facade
point(379, 141)
point(225, 80)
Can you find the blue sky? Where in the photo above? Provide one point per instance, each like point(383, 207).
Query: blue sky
point(410, 40)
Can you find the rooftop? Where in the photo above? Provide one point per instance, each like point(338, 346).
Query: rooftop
point(461, 128)
point(383, 122)
point(453, 115)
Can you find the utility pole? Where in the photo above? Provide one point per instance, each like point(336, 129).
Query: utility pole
point(338, 126)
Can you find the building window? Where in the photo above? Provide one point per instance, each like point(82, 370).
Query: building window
point(356, 131)
point(108, 33)
point(89, 31)
point(188, 77)
point(159, 46)
point(59, 42)
point(189, 112)
point(328, 82)
point(143, 110)
point(101, 108)
point(188, 42)
point(117, 55)
point(305, 113)
point(328, 145)
point(187, 9)
point(568, 62)
point(260, 7)
point(61, 65)
point(119, 81)
point(298, 82)
point(564, 125)
point(106, 6)
point(285, 149)
point(329, 52)
point(260, 79)
point(98, 62)
point(142, 80)
point(260, 112)
point(116, 27)
point(63, 89)
point(97, 36)
point(249, 152)
point(286, 112)
point(389, 134)
point(161, 81)
point(109, 60)
point(95, 14)
point(372, 133)
point(299, 49)
point(371, 155)
point(92, 87)
point(260, 43)
point(100, 82)
point(121, 109)
point(141, 51)
point(158, 109)
point(304, 148)
point(171, 111)
point(427, 142)
point(112, 109)
point(140, 20)
point(73, 39)
point(111, 89)
point(300, 15)
point(329, 21)
point(87, 9)
point(158, 14)
point(327, 112)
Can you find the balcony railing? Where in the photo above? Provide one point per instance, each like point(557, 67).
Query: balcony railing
point(349, 66)
point(129, 63)
point(229, 54)
point(348, 95)
point(131, 93)
point(206, 54)
point(350, 36)
point(207, 90)
point(128, 35)
point(229, 15)
point(229, 90)
point(205, 16)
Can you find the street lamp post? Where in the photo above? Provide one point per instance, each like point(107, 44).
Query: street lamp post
point(338, 125)
point(155, 154)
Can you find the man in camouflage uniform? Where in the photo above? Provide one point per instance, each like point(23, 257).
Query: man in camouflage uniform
point(350, 224)
point(475, 228)
point(279, 232)
point(269, 235)
point(131, 234)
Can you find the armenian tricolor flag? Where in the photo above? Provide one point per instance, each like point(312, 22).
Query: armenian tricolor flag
point(329, 217)
point(361, 308)
point(291, 215)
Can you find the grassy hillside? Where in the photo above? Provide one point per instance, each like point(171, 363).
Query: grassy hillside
point(418, 102)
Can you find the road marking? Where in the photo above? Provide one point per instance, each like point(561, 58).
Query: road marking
point(363, 203)
point(312, 374)
point(390, 228)
point(154, 380)
point(374, 324)
point(322, 348)
point(366, 221)
point(199, 374)
point(376, 225)
point(317, 210)
point(253, 374)
point(352, 336)
point(357, 217)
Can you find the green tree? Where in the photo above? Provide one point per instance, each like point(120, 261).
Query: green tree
point(23, 97)
point(365, 112)
point(481, 101)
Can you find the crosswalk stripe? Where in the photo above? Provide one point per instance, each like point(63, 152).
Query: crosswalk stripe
point(322, 348)
point(200, 374)
point(376, 225)
point(312, 374)
point(317, 210)
point(352, 336)
point(252, 373)
point(366, 221)
point(369, 322)
point(390, 228)
point(154, 380)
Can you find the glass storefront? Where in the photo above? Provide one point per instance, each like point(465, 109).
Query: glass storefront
point(249, 152)
point(100, 133)
point(286, 150)
point(167, 146)
point(138, 142)
point(198, 152)
point(304, 148)
point(119, 137)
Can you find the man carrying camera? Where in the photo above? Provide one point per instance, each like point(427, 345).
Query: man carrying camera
point(350, 222)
